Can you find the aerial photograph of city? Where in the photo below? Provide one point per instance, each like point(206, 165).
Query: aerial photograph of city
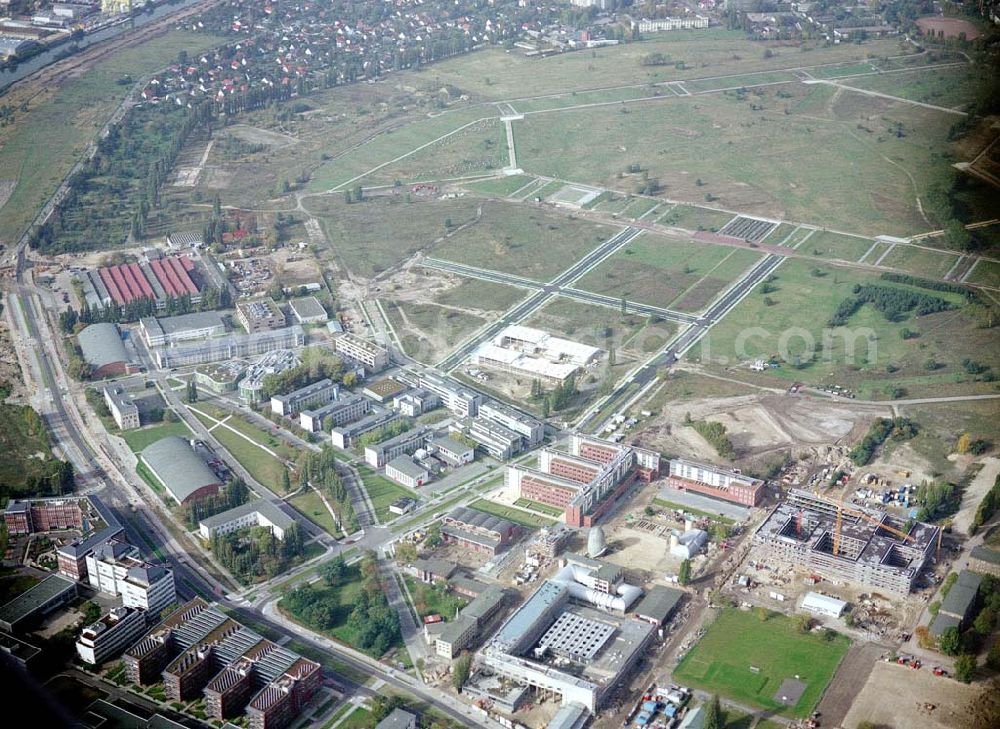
point(398, 364)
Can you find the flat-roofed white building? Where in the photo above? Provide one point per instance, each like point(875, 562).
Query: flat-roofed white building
point(123, 410)
point(318, 393)
point(259, 513)
point(308, 310)
point(824, 605)
point(375, 358)
point(535, 353)
point(335, 413)
point(404, 470)
point(115, 568)
point(111, 635)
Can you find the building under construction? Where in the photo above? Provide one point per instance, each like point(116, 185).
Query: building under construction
point(845, 543)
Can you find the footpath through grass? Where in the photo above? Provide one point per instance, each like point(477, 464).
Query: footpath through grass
point(746, 659)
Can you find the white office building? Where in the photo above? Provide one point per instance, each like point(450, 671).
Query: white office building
point(318, 393)
point(123, 410)
point(115, 568)
point(111, 635)
point(259, 513)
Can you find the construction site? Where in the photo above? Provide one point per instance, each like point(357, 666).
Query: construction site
point(846, 544)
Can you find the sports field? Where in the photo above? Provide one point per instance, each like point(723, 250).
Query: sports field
point(746, 659)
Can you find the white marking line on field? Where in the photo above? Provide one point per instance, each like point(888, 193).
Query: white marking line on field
point(868, 252)
point(965, 276)
point(881, 258)
point(958, 262)
point(811, 233)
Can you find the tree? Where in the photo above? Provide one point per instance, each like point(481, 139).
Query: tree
point(761, 613)
point(713, 714)
point(804, 623)
point(192, 391)
point(950, 642)
point(684, 573)
point(993, 657)
point(433, 535)
point(964, 441)
point(965, 666)
point(984, 622)
point(334, 570)
point(624, 306)
point(460, 671)
point(286, 481)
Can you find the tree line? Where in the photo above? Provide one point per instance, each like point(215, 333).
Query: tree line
point(899, 429)
point(891, 302)
point(255, 553)
point(236, 493)
point(319, 470)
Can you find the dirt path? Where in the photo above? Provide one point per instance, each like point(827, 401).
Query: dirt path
point(974, 494)
point(850, 678)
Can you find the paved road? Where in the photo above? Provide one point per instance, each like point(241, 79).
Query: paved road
point(689, 337)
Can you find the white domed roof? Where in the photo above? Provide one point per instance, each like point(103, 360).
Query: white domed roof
point(596, 543)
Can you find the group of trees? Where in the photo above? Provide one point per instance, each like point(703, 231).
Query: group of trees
point(110, 199)
point(255, 553)
point(23, 434)
point(937, 499)
point(893, 303)
point(987, 507)
point(716, 435)
point(560, 397)
point(372, 621)
point(883, 428)
point(236, 493)
point(211, 298)
point(319, 470)
point(385, 432)
point(317, 365)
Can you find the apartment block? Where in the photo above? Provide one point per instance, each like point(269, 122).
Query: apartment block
point(719, 483)
point(374, 357)
point(116, 568)
point(378, 454)
point(346, 409)
point(260, 315)
point(316, 394)
point(459, 400)
point(111, 635)
point(346, 435)
point(531, 429)
point(123, 410)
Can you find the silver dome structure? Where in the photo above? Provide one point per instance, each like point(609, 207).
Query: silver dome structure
point(596, 543)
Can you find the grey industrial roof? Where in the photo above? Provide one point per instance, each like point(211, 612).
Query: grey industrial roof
point(441, 567)
point(942, 622)
point(262, 506)
point(398, 719)
point(658, 603)
point(307, 308)
point(485, 603)
point(480, 519)
point(120, 396)
point(35, 597)
point(194, 320)
point(962, 594)
point(455, 629)
point(569, 716)
point(406, 466)
point(175, 463)
point(446, 442)
point(986, 554)
point(101, 345)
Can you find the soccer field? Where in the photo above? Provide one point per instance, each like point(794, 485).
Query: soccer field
point(746, 659)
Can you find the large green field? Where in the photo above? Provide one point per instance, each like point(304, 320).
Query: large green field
point(311, 505)
point(745, 659)
point(382, 491)
point(791, 319)
point(949, 87)
point(25, 445)
point(138, 439)
point(371, 236)
point(674, 274)
point(709, 145)
point(532, 242)
point(47, 139)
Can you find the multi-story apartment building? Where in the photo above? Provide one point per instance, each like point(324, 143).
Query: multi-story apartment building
point(123, 410)
point(345, 436)
point(260, 315)
point(318, 393)
point(111, 635)
point(374, 357)
point(378, 454)
point(346, 409)
point(116, 568)
point(720, 483)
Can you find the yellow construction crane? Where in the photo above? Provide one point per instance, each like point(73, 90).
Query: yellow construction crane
point(870, 519)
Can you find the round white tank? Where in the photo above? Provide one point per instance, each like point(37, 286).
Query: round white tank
point(674, 541)
point(596, 543)
point(688, 524)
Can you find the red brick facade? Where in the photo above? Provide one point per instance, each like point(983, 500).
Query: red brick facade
point(735, 493)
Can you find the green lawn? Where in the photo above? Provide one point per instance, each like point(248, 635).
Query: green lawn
point(371, 236)
point(263, 466)
point(538, 506)
point(138, 439)
point(951, 87)
point(382, 491)
point(434, 599)
point(834, 245)
point(526, 241)
point(500, 186)
point(658, 270)
point(359, 718)
point(986, 273)
point(920, 261)
point(694, 218)
point(737, 642)
point(705, 147)
point(868, 355)
point(312, 507)
point(481, 295)
point(530, 521)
